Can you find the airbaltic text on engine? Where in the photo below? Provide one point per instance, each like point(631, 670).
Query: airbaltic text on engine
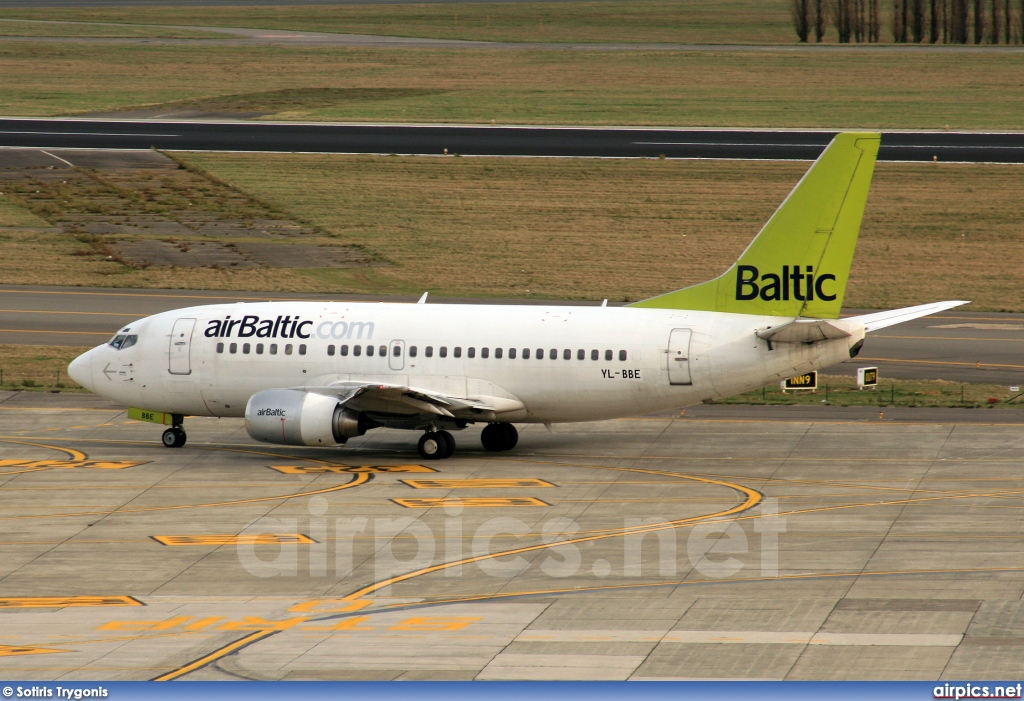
point(286, 327)
point(774, 286)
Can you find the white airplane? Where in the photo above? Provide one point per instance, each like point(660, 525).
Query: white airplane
point(319, 373)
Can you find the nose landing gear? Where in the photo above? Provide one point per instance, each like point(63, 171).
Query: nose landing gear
point(175, 437)
point(436, 445)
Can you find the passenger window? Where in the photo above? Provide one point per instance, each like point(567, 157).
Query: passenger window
point(594, 354)
point(357, 351)
point(553, 354)
point(622, 355)
point(581, 354)
point(511, 353)
point(443, 352)
point(273, 349)
point(343, 350)
point(429, 352)
point(330, 350)
point(129, 341)
point(382, 351)
point(287, 349)
point(471, 352)
point(607, 355)
point(369, 350)
point(497, 353)
point(540, 354)
point(246, 348)
point(458, 352)
point(233, 348)
point(526, 354)
point(220, 347)
point(567, 354)
point(302, 349)
point(485, 352)
point(259, 349)
point(396, 351)
point(412, 351)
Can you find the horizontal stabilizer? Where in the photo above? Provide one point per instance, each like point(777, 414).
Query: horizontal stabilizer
point(804, 331)
point(879, 320)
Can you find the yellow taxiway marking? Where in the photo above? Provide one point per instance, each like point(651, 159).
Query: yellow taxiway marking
point(941, 362)
point(45, 602)
point(75, 333)
point(50, 311)
point(215, 655)
point(483, 483)
point(67, 464)
point(469, 502)
point(347, 469)
point(228, 539)
point(13, 650)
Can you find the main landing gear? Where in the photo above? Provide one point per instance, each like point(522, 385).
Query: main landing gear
point(175, 437)
point(436, 445)
point(499, 437)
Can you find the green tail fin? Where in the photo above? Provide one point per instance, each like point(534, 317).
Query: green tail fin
point(799, 264)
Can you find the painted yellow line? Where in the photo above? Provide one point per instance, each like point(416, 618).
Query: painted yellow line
point(70, 452)
point(752, 499)
point(214, 656)
point(942, 362)
point(45, 602)
point(49, 311)
point(15, 650)
point(240, 539)
point(482, 483)
point(951, 338)
point(469, 502)
point(75, 333)
point(348, 469)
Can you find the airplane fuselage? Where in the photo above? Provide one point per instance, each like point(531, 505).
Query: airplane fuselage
point(561, 363)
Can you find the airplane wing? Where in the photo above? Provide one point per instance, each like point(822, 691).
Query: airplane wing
point(880, 320)
point(375, 397)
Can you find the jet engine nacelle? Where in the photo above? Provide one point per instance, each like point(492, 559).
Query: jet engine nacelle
point(294, 417)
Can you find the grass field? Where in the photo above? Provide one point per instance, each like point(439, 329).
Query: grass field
point(683, 21)
point(579, 229)
point(31, 28)
point(837, 390)
point(36, 368)
point(725, 89)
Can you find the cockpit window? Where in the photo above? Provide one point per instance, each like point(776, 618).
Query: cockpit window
point(122, 341)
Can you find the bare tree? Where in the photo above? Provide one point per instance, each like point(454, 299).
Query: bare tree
point(899, 26)
point(958, 21)
point(801, 18)
point(841, 11)
point(979, 21)
point(1007, 20)
point(820, 20)
point(875, 22)
point(917, 20)
point(933, 26)
point(996, 19)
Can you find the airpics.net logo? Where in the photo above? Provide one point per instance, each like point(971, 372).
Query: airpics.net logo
point(791, 283)
point(503, 547)
point(252, 326)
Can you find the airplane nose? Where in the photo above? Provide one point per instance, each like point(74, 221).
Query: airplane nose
point(80, 369)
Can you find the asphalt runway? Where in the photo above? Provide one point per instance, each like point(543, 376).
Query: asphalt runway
point(734, 543)
point(959, 346)
point(594, 142)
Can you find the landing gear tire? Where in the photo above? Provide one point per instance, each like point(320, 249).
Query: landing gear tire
point(499, 437)
point(436, 446)
point(174, 438)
